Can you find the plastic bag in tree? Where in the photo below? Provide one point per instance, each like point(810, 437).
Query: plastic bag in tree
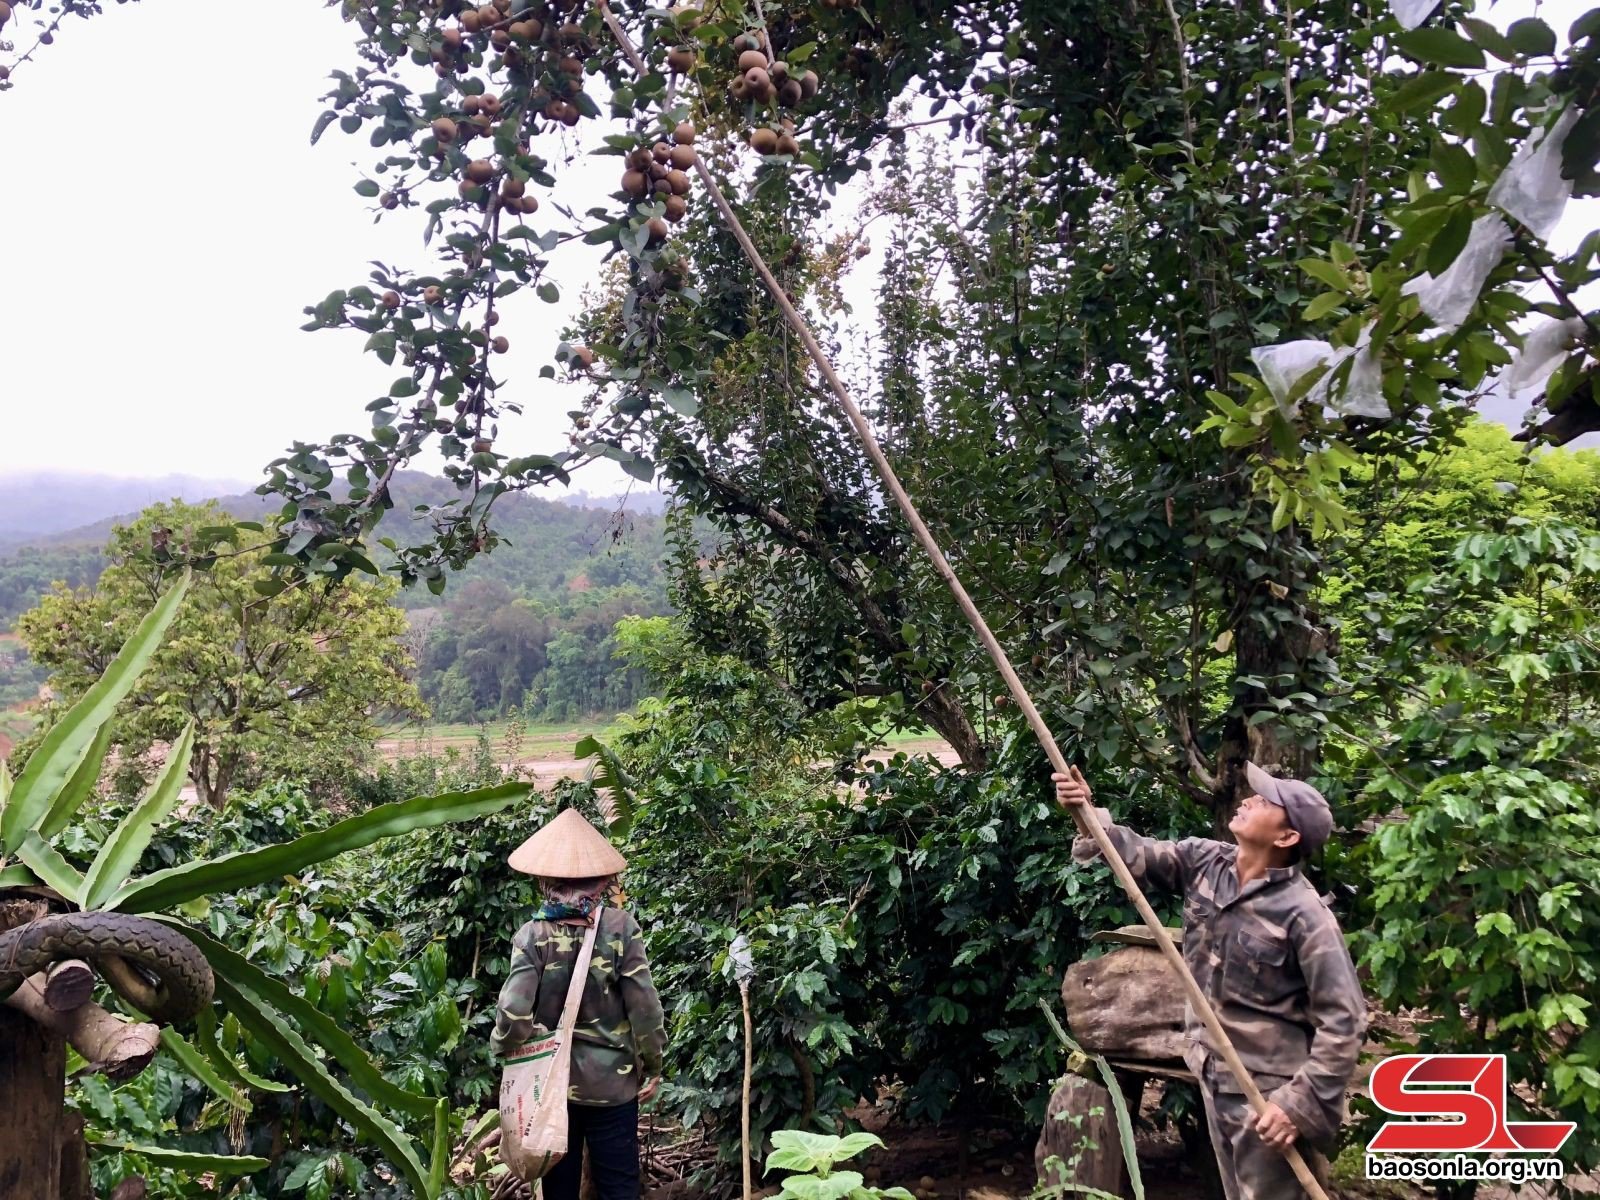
point(1284, 365)
point(1361, 394)
point(1448, 299)
point(1411, 13)
point(1531, 188)
point(1542, 351)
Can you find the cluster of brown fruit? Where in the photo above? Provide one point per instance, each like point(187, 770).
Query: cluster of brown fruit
point(522, 33)
point(662, 170)
point(761, 80)
point(479, 175)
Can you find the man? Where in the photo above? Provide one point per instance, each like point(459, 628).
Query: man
point(1269, 956)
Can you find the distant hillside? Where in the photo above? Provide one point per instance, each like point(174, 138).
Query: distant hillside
point(35, 507)
point(553, 545)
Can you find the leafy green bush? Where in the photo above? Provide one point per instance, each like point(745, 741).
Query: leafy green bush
point(815, 1157)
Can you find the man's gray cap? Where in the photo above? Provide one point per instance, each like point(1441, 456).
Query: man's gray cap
point(1307, 812)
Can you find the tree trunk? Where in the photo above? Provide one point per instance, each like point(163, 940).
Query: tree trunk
point(33, 1082)
point(950, 721)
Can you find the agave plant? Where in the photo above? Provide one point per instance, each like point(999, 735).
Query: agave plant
point(133, 931)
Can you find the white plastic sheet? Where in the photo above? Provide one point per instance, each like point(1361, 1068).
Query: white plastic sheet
point(744, 967)
point(1531, 188)
point(1411, 13)
point(1361, 394)
point(1542, 351)
point(1448, 299)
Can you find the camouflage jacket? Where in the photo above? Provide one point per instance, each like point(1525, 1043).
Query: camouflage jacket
point(1271, 959)
point(619, 1036)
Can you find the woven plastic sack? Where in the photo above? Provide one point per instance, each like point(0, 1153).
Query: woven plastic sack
point(1531, 188)
point(533, 1086)
point(1360, 394)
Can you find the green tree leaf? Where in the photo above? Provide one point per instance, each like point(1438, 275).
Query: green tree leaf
point(1440, 46)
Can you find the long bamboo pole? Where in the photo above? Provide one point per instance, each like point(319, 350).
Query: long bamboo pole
point(1084, 816)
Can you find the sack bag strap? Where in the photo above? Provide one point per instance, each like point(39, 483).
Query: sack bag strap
point(580, 976)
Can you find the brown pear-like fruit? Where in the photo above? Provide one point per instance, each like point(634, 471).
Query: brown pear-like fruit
point(658, 230)
point(469, 190)
point(488, 14)
point(389, 200)
point(501, 344)
point(747, 41)
point(680, 60)
point(791, 95)
point(480, 170)
point(522, 31)
point(1037, 660)
point(764, 141)
point(658, 170)
point(472, 105)
point(580, 358)
point(661, 152)
point(432, 295)
point(676, 208)
point(640, 159)
point(500, 40)
point(684, 133)
point(779, 71)
point(570, 115)
point(787, 144)
point(453, 38)
point(471, 21)
point(570, 66)
point(928, 687)
point(482, 446)
point(528, 204)
point(444, 129)
point(511, 188)
point(503, 5)
point(739, 89)
point(809, 84)
point(751, 59)
point(636, 184)
point(391, 300)
point(491, 105)
point(678, 181)
point(759, 82)
point(683, 157)
point(1002, 702)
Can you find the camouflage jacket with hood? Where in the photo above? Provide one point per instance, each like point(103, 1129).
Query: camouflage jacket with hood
point(1271, 959)
point(619, 1038)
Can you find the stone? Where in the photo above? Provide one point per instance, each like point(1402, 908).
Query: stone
point(1127, 1004)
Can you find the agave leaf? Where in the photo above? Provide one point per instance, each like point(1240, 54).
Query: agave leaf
point(183, 1160)
point(439, 1159)
point(318, 1026)
point(205, 1037)
point(64, 747)
point(78, 789)
point(123, 849)
point(268, 1026)
point(247, 868)
point(18, 876)
point(49, 866)
point(192, 1061)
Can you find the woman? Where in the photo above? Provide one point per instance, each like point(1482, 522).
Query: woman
point(617, 1044)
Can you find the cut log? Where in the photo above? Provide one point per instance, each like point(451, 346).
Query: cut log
point(75, 1181)
point(1080, 1129)
point(68, 984)
point(1127, 1004)
point(116, 1048)
point(33, 1081)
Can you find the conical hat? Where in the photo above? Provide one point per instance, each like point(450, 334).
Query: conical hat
point(567, 848)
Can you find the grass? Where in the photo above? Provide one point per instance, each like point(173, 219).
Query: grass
point(556, 740)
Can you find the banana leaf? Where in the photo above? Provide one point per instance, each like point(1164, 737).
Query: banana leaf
point(247, 868)
point(123, 849)
point(611, 782)
point(53, 764)
point(318, 1026)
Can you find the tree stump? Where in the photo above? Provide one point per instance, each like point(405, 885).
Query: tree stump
point(1080, 1128)
point(33, 1081)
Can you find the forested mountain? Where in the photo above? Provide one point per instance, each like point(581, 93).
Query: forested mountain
point(528, 626)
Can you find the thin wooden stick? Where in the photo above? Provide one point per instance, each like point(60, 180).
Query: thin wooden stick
point(744, 1115)
point(1084, 816)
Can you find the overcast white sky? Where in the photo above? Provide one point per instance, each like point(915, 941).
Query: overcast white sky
point(159, 244)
